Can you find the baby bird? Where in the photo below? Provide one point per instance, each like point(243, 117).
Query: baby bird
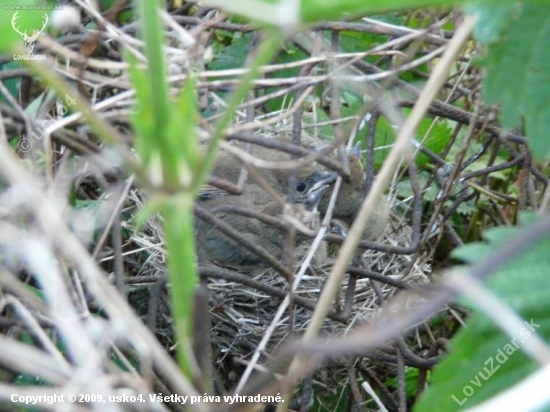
point(229, 167)
point(312, 182)
point(350, 196)
point(224, 250)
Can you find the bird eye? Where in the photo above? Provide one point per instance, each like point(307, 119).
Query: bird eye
point(300, 187)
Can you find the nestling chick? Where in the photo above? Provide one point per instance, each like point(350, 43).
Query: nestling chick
point(311, 178)
point(224, 250)
point(228, 167)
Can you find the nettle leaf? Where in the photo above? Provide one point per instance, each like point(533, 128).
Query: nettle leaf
point(356, 42)
point(384, 138)
point(404, 190)
point(492, 20)
point(436, 140)
point(324, 132)
point(289, 54)
point(483, 360)
point(518, 69)
point(232, 56)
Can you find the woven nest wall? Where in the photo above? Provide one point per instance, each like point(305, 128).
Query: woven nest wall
point(243, 316)
point(241, 313)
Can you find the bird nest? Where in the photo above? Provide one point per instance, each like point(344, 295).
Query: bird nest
point(244, 316)
point(250, 312)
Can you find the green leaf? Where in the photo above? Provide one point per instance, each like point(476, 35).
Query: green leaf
point(411, 382)
point(436, 140)
point(232, 56)
point(12, 85)
point(351, 102)
point(325, 132)
point(492, 20)
point(384, 136)
point(404, 189)
point(289, 54)
point(518, 72)
point(483, 361)
point(357, 42)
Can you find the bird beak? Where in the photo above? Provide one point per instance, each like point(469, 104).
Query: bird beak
point(313, 197)
point(324, 178)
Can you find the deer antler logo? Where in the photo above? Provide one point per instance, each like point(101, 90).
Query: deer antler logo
point(29, 40)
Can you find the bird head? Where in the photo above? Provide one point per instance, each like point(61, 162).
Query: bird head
point(312, 184)
point(305, 210)
point(351, 192)
point(350, 198)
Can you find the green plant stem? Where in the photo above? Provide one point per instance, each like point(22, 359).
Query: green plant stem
point(163, 136)
point(180, 245)
point(153, 37)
